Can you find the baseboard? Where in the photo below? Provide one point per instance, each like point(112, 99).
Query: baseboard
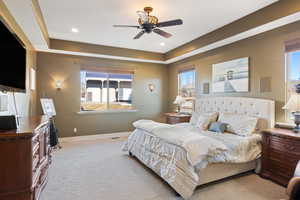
point(95, 137)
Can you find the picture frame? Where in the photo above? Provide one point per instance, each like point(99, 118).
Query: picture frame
point(231, 76)
point(48, 107)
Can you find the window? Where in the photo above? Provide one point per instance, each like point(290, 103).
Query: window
point(293, 75)
point(106, 91)
point(187, 83)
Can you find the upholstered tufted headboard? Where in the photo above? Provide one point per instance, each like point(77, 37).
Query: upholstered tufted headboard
point(262, 108)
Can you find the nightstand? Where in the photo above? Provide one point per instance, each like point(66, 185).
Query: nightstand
point(174, 118)
point(280, 154)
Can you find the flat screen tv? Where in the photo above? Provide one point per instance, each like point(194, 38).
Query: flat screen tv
point(12, 61)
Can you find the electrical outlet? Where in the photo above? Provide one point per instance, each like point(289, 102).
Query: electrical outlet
point(75, 130)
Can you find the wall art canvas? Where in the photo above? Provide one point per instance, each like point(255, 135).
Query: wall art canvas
point(231, 76)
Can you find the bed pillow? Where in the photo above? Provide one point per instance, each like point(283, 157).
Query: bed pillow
point(218, 127)
point(205, 119)
point(239, 124)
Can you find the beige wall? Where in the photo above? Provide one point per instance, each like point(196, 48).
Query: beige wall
point(67, 100)
point(267, 59)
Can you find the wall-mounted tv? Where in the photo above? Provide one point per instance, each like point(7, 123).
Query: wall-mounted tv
point(12, 61)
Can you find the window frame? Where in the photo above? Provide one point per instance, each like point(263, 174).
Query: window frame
point(181, 71)
point(107, 72)
point(289, 82)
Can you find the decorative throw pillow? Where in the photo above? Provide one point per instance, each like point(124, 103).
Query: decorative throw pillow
point(205, 119)
point(218, 127)
point(239, 124)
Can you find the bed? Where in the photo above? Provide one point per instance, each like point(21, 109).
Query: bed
point(184, 167)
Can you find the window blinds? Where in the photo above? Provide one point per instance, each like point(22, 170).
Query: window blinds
point(292, 45)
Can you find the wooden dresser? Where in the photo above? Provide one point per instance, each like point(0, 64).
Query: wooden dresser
point(281, 152)
point(25, 156)
point(174, 118)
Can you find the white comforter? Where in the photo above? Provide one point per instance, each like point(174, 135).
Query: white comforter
point(197, 146)
point(178, 152)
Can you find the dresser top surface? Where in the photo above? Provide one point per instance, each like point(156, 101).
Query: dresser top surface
point(27, 126)
point(282, 133)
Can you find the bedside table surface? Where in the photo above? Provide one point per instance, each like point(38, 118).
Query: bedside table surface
point(174, 114)
point(174, 118)
point(288, 133)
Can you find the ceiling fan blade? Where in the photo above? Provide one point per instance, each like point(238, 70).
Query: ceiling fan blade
point(162, 33)
point(139, 35)
point(170, 23)
point(143, 16)
point(122, 26)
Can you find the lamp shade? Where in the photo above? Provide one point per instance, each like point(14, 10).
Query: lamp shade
point(179, 100)
point(293, 104)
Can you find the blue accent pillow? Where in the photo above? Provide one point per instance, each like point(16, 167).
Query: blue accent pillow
point(218, 127)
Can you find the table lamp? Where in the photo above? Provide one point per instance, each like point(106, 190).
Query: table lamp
point(178, 101)
point(293, 105)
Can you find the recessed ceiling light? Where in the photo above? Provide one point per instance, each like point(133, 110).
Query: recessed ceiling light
point(162, 44)
point(74, 30)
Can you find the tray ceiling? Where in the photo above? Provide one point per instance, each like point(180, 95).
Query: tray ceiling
point(94, 20)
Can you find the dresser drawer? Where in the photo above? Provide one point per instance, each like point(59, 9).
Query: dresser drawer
point(173, 120)
point(283, 158)
point(285, 145)
point(281, 152)
point(177, 119)
point(280, 169)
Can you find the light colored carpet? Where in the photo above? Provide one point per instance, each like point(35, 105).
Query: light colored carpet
point(99, 170)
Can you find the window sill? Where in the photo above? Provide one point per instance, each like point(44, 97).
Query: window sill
point(105, 111)
point(285, 124)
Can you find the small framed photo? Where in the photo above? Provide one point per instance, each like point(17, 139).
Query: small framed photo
point(48, 107)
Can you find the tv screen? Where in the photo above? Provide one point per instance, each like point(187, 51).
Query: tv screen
point(12, 61)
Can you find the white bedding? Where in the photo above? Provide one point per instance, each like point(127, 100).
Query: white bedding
point(178, 152)
point(198, 147)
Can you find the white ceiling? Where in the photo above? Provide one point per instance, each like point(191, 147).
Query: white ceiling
point(94, 19)
point(25, 17)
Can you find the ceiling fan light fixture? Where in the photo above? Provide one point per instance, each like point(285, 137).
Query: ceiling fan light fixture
point(151, 20)
point(149, 24)
point(148, 9)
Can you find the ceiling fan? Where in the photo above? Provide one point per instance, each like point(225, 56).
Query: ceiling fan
point(149, 24)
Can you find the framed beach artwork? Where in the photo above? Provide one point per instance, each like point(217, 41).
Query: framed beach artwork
point(231, 76)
